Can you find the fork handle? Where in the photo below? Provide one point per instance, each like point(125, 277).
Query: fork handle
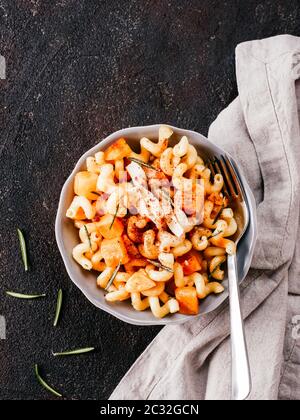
point(241, 377)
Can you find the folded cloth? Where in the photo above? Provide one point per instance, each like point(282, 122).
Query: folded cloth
point(260, 129)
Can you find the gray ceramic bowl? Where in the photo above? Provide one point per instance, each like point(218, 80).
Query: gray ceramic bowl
point(67, 235)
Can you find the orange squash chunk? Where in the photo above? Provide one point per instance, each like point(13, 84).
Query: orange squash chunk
point(139, 282)
point(118, 150)
point(191, 262)
point(188, 300)
point(85, 184)
point(114, 252)
point(109, 230)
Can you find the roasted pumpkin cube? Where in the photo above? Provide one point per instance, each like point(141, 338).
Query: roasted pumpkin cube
point(114, 252)
point(85, 185)
point(139, 282)
point(80, 215)
point(110, 228)
point(188, 300)
point(190, 262)
point(118, 150)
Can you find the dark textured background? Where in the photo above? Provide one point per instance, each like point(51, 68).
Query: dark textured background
point(77, 71)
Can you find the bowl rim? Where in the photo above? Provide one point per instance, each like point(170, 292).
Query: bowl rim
point(112, 310)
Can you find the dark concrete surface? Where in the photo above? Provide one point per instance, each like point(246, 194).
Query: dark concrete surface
point(77, 71)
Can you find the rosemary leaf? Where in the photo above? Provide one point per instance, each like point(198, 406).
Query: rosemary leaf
point(217, 268)
point(88, 236)
point(44, 384)
point(23, 249)
point(58, 307)
point(159, 265)
point(168, 197)
point(213, 272)
point(216, 234)
point(74, 352)
point(218, 215)
point(21, 296)
point(115, 216)
point(114, 275)
point(141, 163)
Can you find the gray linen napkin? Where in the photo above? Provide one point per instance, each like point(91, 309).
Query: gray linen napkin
point(261, 130)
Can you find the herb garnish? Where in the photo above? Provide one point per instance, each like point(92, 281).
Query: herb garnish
point(88, 236)
point(23, 249)
point(218, 214)
point(214, 271)
point(159, 265)
point(22, 296)
point(44, 384)
point(218, 232)
point(74, 352)
point(216, 268)
point(141, 163)
point(115, 216)
point(114, 275)
point(168, 197)
point(58, 307)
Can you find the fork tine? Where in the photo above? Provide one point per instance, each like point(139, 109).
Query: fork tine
point(227, 179)
point(232, 178)
point(218, 169)
point(211, 167)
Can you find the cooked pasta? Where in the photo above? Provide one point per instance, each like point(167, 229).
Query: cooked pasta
point(155, 225)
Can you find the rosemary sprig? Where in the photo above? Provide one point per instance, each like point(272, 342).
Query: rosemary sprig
point(23, 249)
point(168, 197)
point(216, 268)
point(218, 215)
point(216, 234)
point(74, 352)
point(115, 216)
point(114, 275)
point(44, 384)
point(159, 265)
point(214, 271)
point(58, 307)
point(22, 296)
point(88, 236)
point(141, 163)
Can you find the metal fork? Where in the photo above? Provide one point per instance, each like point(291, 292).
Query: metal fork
point(233, 189)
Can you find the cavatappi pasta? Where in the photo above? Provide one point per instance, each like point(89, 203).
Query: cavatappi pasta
point(154, 225)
